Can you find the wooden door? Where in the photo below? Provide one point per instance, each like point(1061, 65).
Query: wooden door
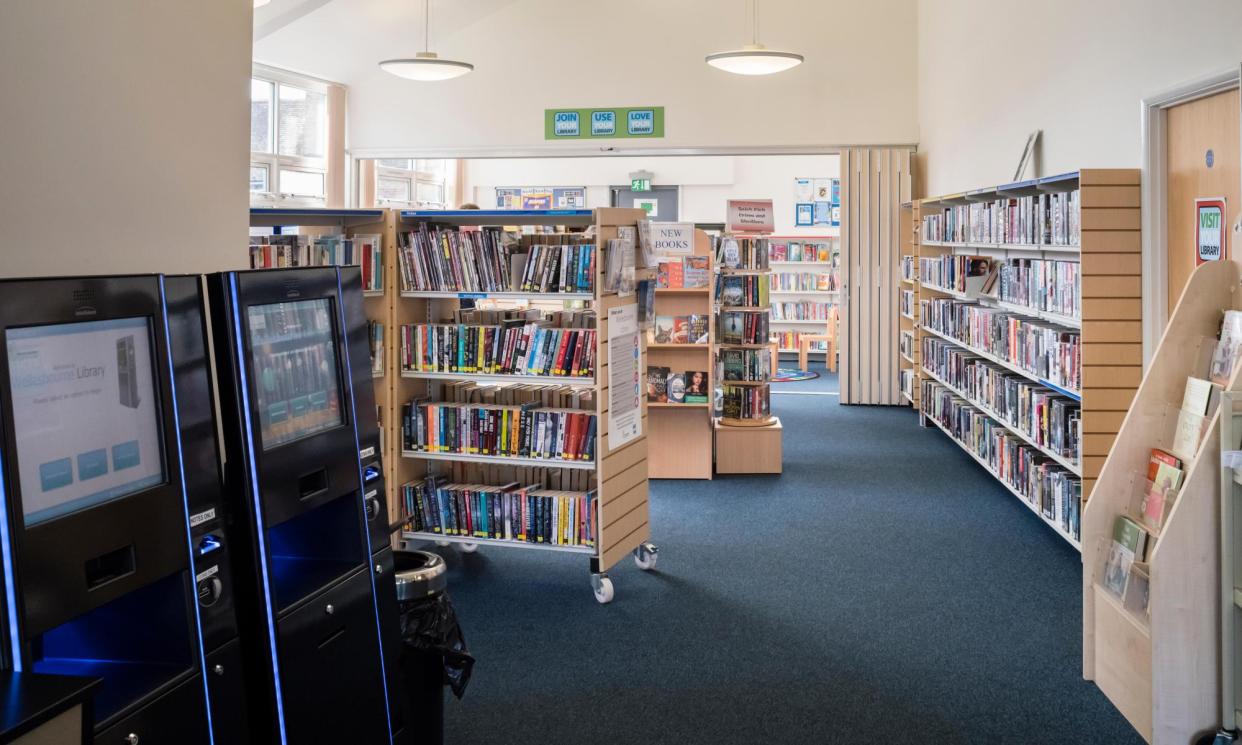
point(1193, 129)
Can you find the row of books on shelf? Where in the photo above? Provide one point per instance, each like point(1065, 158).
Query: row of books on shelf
point(742, 327)
point(1052, 490)
point(803, 310)
point(749, 290)
point(907, 268)
point(905, 378)
point(1048, 352)
point(790, 340)
point(1052, 421)
point(804, 250)
point(691, 329)
point(667, 387)
point(905, 302)
point(561, 345)
point(282, 251)
point(518, 421)
point(741, 252)
point(745, 401)
point(686, 272)
point(905, 343)
point(1050, 286)
point(1049, 219)
point(450, 260)
point(968, 274)
point(803, 282)
point(509, 512)
point(744, 365)
point(375, 333)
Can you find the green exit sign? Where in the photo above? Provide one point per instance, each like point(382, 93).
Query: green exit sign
point(640, 184)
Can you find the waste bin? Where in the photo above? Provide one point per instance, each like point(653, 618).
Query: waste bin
point(433, 650)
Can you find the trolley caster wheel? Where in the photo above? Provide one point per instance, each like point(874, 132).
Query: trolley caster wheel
point(469, 548)
point(443, 544)
point(645, 556)
point(603, 588)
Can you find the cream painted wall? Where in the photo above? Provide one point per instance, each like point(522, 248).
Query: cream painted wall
point(706, 182)
point(857, 85)
point(989, 73)
point(124, 135)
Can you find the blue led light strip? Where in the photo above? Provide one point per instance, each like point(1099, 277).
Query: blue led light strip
point(185, 501)
point(362, 487)
point(260, 531)
point(10, 576)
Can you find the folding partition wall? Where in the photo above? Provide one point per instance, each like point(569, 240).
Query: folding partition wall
point(874, 184)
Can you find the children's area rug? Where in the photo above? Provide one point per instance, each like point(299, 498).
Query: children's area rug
point(792, 376)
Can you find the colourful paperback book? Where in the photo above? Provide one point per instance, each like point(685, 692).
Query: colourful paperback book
point(696, 387)
point(1129, 545)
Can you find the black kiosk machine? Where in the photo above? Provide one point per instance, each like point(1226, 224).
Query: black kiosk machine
point(95, 531)
point(307, 600)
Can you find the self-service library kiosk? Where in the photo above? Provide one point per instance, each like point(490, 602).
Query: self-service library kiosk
point(302, 542)
point(100, 558)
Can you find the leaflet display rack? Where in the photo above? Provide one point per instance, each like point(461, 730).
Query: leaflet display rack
point(618, 477)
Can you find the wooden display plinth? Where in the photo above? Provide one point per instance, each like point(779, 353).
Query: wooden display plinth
point(748, 449)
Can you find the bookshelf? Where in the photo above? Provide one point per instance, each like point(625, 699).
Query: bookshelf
point(804, 290)
point(680, 438)
point(378, 303)
point(1161, 671)
point(617, 477)
point(742, 326)
point(1084, 293)
point(909, 351)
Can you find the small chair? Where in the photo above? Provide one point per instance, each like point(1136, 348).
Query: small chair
point(829, 337)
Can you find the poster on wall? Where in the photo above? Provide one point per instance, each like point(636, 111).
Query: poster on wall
point(823, 190)
point(625, 410)
point(803, 214)
point(648, 205)
point(1211, 242)
point(804, 190)
point(823, 213)
point(540, 197)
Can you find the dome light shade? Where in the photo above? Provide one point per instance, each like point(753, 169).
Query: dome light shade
point(261, 3)
point(754, 59)
point(426, 66)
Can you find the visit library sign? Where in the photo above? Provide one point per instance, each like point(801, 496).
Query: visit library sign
point(621, 122)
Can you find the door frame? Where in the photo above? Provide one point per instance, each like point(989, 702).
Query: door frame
point(1154, 137)
point(612, 194)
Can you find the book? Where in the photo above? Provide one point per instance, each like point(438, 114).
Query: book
point(657, 384)
point(1225, 356)
point(1128, 546)
point(696, 271)
point(676, 388)
point(696, 386)
point(697, 327)
point(662, 332)
point(681, 330)
point(1200, 397)
point(1164, 479)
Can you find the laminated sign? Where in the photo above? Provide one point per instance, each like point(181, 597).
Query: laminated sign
point(625, 409)
point(1210, 241)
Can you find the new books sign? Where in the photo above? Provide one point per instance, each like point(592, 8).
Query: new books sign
point(614, 123)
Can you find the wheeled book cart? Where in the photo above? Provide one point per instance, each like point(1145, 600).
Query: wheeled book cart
point(618, 476)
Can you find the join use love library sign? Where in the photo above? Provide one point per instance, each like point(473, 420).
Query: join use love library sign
point(614, 123)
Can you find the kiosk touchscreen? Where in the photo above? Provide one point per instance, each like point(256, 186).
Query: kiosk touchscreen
point(306, 597)
point(95, 525)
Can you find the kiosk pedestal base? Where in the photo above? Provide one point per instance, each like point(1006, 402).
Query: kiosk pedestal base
point(748, 449)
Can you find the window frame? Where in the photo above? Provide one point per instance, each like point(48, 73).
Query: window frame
point(414, 177)
point(274, 162)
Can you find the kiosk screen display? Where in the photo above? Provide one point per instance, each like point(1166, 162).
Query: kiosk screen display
point(293, 360)
point(86, 414)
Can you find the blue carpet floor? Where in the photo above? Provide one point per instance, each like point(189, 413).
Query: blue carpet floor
point(883, 590)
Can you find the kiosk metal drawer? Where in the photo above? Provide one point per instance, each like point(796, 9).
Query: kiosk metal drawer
point(329, 664)
point(175, 717)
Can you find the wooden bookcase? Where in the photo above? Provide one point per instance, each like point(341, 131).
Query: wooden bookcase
point(1162, 671)
point(619, 476)
point(1110, 327)
point(908, 323)
point(379, 305)
point(680, 439)
point(829, 297)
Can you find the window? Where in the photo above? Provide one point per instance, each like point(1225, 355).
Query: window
point(289, 124)
point(409, 182)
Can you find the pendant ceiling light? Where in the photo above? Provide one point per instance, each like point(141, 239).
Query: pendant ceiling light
point(426, 65)
point(754, 58)
point(261, 3)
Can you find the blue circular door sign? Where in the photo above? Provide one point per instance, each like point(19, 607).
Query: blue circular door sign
point(1210, 157)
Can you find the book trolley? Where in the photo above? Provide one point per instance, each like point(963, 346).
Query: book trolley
point(1101, 272)
point(1161, 668)
point(616, 479)
point(680, 439)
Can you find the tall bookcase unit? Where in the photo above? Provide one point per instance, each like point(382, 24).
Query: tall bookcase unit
point(379, 303)
point(618, 476)
point(804, 290)
point(1107, 259)
point(680, 439)
point(909, 351)
point(1161, 669)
